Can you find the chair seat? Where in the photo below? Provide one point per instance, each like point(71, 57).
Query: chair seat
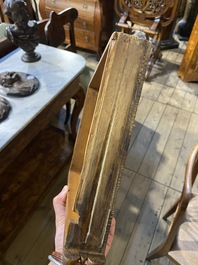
point(185, 248)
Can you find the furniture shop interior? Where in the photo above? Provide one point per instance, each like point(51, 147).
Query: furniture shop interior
point(39, 140)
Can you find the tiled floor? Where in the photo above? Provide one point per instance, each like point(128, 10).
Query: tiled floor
point(166, 129)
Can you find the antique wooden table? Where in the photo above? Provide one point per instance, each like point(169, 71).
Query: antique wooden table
point(31, 152)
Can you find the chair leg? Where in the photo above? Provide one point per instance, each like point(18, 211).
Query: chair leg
point(149, 68)
point(171, 210)
point(155, 55)
point(160, 251)
point(68, 109)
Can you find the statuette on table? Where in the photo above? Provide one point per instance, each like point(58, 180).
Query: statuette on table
point(18, 83)
point(4, 108)
point(24, 30)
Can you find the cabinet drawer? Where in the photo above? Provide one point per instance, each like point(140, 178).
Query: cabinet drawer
point(80, 23)
point(84, 39)
point(86, 9)
point(88, 26)
point(84, 24)
point(86, 12)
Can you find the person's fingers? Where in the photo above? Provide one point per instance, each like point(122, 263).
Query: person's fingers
point(59, 207)
point(110, 236)
point(59, 203)
point(60, 199)
point(112, 228)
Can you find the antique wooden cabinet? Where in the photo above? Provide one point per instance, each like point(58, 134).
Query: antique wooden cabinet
point(93, 25)
point(188, 70)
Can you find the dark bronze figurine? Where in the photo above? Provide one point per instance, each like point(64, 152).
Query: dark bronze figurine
point(4, 108)
point(18, 84)
point(24, 30)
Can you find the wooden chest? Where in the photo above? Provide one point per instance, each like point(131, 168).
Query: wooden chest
point(93, 25)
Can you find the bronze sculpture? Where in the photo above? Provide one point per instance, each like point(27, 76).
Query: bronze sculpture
point(24, 30)
point(18, 84)
point(4, 108)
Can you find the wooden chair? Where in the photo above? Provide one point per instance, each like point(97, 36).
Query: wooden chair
point(148, 17)
point(181, 244)
point(51, 31)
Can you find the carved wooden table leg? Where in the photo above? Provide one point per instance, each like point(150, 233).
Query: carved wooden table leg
point(79, 102)
point(68, 109)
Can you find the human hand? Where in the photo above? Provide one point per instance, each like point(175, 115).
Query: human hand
point(59, 203)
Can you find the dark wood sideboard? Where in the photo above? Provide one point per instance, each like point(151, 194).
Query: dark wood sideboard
point(93, 26)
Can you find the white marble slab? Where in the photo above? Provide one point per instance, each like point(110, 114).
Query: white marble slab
point(56, 69)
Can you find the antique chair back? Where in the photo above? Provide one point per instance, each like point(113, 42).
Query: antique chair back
point(148, 16)
point(181, 243)
point(146, 11)
point(51, 31)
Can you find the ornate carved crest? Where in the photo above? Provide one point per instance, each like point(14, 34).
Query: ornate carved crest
point(146, 6)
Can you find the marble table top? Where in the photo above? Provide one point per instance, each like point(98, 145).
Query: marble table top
point(55, 71)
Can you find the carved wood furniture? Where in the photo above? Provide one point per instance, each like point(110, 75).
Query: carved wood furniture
point(93, 25)
point(31, 154)
point(181, 243)
point(51, 30)
point(188, 70)
point(101, 147)
point(149, 17)
point(52, 33)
